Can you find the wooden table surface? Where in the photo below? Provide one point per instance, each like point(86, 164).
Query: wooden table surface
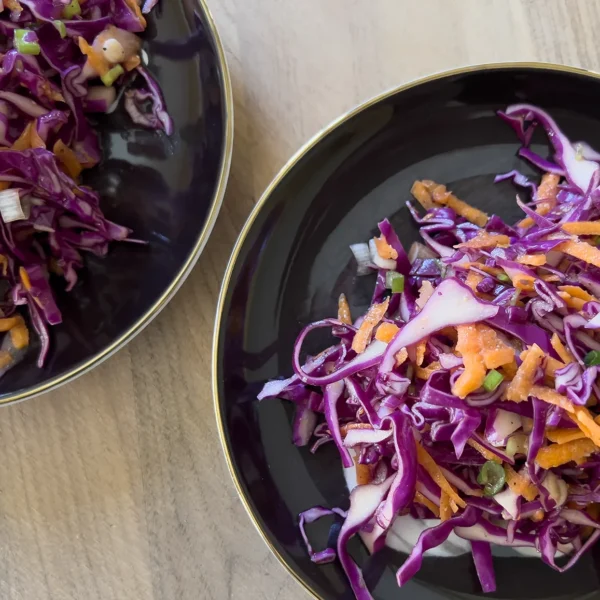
point(114, 487)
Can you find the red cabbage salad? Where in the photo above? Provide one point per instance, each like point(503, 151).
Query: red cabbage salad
point(60, 60)
point(467, 394)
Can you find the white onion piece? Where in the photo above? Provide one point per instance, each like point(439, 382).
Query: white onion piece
point(362, 255)
point(10, 206)
point(508, 501)
point(382, 263)
point(366, 436)
point(504, 425)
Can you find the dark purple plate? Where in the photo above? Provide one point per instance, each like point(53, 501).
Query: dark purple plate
point(168, 190)
point(292, 261)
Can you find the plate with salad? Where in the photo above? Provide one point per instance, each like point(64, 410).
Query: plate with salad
point(115, 141)
point(407, 352)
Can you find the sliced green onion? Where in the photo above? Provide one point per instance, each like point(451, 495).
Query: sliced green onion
point(592, 358)
point(111, 76)
point(394, 281)
point(492, 380)
point(71, 10)
point(492, 477)
point(503, 277)
point(25, 45)
point(61, 28)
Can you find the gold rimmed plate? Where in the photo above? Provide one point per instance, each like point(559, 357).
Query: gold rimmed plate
point(292, 261)
point(168, 190)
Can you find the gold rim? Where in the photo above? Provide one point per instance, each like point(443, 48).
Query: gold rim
point(208, 22)
point(296, 158)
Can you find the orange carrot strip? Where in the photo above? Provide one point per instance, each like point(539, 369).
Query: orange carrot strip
point(425, 501)
point(374, 315)
point(576, 303)
point(384, 249)
point(577, 292)
point(23, 142)
point(524, 282)
point(469, 346)
point(8, 323)
point(564, 354)
point(133, 5)
point(484, 451)
point(422, 195)
point(95, 59)
point(68, 159)
point(19, 334)
point(561, 436)
point(581, 250)
point(436, 474)
point(494, 351)
point(386, 332)
point(132, 63)
point(520, 386)
point(5, 359)
point(584, 420)
point(547, 191)
point(473, 280)
point(474, 215)
point(420, 352)
point(519, 484)
point(445, 510)
point(552, 397)
point(552, 365)
point(401, 357)
point(509, 370)
point(558, 454)
point(343, 308)
point(534, 260)
point(550, 278)
point(483, 239)
point(24, 278)
point(13, 5)
point(582, 228)
point(426, 372)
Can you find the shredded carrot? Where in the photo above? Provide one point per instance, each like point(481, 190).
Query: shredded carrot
point(534, 260)
point(509, 370)
point(469, 346)
point(445, 510)
point(436, 474)
point(559, 348)
point(577, 292)
point(19, 334)
point(523, 282)
point(581, 250)
point(538, 515)
point(420, 352)
point(584, 420)
point(582, 228)
point(13, 5)
point(520, 484)
point(343, 307)
point(95, 59)
point(8, 323)
point(5, 358)
point(23, 142)
point(558, 454)
point(425, 501)
point(552, 365)
point(520, 386)
point(384, 249)
point(484, 451)
point(25, 278)
point(483, 239)
point(473, 280)
point(132, 63)
point(401, 357)
point(550, 278)
point(426, 372)
point(386, 332)
point(422, 195)
point(576, 303)
point(363, 474)
point(69, 161)
point(474, 215)
point(552, 397)
point(375, 313)
point(561, 436)
point(425, 292)
point(494, 351)
point(547, 192)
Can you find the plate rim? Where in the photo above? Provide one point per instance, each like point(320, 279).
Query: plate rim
point(283, 172)
point(227, 97)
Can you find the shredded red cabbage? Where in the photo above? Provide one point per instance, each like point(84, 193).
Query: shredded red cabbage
point(59, 62)
point(468, 391)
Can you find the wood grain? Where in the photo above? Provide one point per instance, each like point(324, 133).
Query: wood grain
point(114, 486)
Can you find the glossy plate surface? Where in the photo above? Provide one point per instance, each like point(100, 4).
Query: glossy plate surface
point(292, 261)
point(168, 190)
